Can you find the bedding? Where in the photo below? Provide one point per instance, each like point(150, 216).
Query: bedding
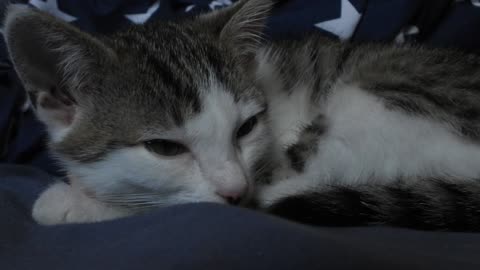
point(208, 236)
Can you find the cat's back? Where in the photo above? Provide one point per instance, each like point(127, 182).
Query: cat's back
point(439, 84)
point(315, 56)
point(384, 110)
point(442, 84)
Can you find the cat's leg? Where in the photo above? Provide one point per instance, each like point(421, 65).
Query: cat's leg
point(269, 194)
point(62, 203)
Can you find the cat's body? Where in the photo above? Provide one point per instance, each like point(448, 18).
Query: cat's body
point(367, 130)
point(402, 112)
point(346, 134)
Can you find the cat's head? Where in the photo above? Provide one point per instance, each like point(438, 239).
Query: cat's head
point(159, 114)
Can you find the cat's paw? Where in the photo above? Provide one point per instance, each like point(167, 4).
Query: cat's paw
point(270, 194)
point(55, 205)
point(62, 203)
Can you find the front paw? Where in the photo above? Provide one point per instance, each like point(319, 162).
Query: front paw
point(62, 203)
point(268, 195)
point(55, 205)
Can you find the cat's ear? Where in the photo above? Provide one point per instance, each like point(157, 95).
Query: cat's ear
point(55, 61)
point(240, 25)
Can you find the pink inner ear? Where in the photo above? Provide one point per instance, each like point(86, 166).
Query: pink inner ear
point(56, 110)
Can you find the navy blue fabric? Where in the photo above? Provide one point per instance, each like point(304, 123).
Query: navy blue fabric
point(22, 136)
point(207, 236)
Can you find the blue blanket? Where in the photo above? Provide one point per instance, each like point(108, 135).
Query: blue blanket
point(207, 236)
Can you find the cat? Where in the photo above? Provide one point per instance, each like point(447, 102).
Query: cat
point(155, 115)
point(205, 110)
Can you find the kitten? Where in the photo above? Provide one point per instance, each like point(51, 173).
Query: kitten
point(314, 130)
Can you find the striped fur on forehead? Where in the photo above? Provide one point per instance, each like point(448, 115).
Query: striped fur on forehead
point(177, 60)
point(173, 47)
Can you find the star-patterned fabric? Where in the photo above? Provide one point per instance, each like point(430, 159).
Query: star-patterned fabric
point(438, 23)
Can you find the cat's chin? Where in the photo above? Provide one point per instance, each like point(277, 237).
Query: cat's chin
point(62, 203)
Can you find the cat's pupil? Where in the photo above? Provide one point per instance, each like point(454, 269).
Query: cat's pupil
point(165, 147)
point(247, 127)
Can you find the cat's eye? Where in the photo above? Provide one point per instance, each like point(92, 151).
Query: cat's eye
point(247, 127)
point(165, 147)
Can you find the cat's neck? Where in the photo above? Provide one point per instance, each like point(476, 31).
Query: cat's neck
point(314, 62)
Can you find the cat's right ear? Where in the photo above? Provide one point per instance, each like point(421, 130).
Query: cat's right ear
point(54, 61)
point(240, 25)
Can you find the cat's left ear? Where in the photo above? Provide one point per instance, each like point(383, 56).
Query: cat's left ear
point(241, 25)
point(58, 64)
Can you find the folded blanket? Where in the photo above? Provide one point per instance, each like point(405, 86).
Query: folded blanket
point(209, 236)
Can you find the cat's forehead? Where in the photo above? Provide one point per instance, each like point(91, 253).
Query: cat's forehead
point(172, 72)
point(174, 52)
point(219, 116)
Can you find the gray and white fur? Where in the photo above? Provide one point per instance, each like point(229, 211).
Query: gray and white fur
point(204, 110)
point(374, 134)
point(155, 115)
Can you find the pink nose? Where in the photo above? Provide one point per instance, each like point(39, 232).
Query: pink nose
point(233, 195)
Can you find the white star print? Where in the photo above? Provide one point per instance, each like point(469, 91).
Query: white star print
point(219, 3)
point(407, 31)
point(188, 8)
point(343, 26)
point(140, 18)
point(475, 3)
point(51, 7)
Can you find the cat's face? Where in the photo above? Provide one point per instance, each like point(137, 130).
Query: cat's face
point(178, 124)
point(155, 115)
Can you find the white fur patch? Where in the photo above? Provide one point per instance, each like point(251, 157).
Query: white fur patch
point(288, 112)
point(214, 142)
point(164, 181)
